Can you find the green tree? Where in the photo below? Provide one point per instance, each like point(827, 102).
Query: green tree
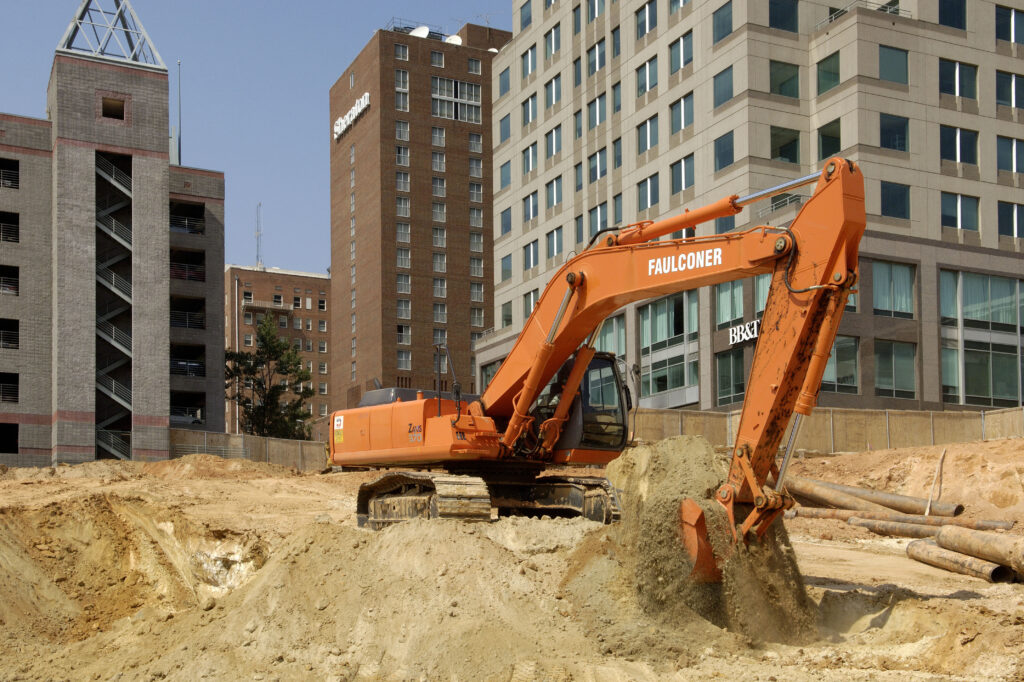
point(269, 386)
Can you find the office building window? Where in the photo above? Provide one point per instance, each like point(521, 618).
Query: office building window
point(828, 73)
point(553, 142)
point(505, 128)
point(506, 267)
point(506, 314)
point(530, 255)
point(953, 13)
point(598, 218)
point(504, 82)
point(552, 41)
point(959, 79)
point(617, 152)
point(596, 111)
point(895, 200)
point(525, 15)
point(595, 8)
point(403, 258)
point(439, 237)
point(1009, 154)
point(723, 151)
point(617, 209)
point(782, 14)
point(438, 187)
point(1011, 219)
point(958, 144)
point(506, 221)
point(441, 313)
point(829, 139)
point(439, 262)
point(505, 175)
point(476, 317)
point(616, 98)
point(647, 135)
point(437, 136)
point(577, 72)
point(725, 224)
point(476, 168)
point(476, 242)
point(894, 132)
point(959, 211)
point(531, 207)
point(841, 371)
point(893, 289)
point(647, 192)
point(646, 19)
point(616, 42)
point(440, 289)
point(682, 174)
point(530, 302)
point(530, 159)
point(597, 164)
point(785, 145)
point(728, 304)
point(784, 79)
point(402, 130)
point(681, 113)
point(647, 76)
point(1009, 24)
point(529, 109)
point(402, 207)
point(577, 119)
point(731, 379)
point(892, 64)
point(404, 361)
point(680, 52)
point(476, 192)
point(553, 92)
point(438, 211)
point(553, 192)
point(437, 59)
point(1009, 89)
point(721, 22)
point(553, 240)
point(476, 267)
point(595, 57)
point(578, 172)
point(401, 156)
point(403, 232)
point(473, 66)
point(401, 52)
point(723, 87)
point(895, 373)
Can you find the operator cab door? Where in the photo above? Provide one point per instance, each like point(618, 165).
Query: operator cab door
point(597, 418)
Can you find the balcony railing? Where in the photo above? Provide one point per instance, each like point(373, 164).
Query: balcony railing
point(187, 414)
point(116, 281)
point(188, 271)
point(110, 170)
point(10, 179)
point(9, 286)
point(891, 7)
point(118, 442)
point(10, 233)
point(188, 368)
point(262, 304)
point(11, 340)
point(779, 202)
point(8, 393)
point(188, 225)
point(187, 320)
point(115, 227)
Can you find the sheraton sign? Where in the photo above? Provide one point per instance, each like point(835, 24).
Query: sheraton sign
point(343, 122)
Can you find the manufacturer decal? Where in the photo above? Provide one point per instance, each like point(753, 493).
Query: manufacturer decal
point(684, 261)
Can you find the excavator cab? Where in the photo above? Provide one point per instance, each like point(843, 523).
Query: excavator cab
point(597, 417)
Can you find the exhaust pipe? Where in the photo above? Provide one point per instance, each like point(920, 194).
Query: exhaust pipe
point(928, 552)
point(844, 514)
point(903, 503)
point(1002, 549)
point(821, 494)
point(906, 530)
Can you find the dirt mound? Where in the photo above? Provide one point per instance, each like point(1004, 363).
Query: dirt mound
point(204, 466)
point(987, 477)
point(761, 595)
point(104, 468)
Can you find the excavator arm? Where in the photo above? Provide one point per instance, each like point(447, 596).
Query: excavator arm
point(814, 268)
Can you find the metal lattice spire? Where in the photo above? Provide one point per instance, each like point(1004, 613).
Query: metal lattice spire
point(110, 29)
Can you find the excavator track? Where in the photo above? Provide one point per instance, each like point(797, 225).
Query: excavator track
point(406, 495)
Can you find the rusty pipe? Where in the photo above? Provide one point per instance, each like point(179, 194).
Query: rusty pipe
point(813, 491)
point(1007, 550)
point(927, 551)
point(906, 530)
point(844, 514)
point(903, 503)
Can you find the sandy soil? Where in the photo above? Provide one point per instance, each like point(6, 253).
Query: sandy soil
point(205, 568)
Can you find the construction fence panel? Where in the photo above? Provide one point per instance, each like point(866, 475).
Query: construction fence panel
point(909, 429)
point(1007, 423)
point(956, 427)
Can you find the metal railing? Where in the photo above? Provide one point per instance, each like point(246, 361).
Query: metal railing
point(118, 442)
point(104, 165)
point(187, 271)
point(188, 368)
point(114, 387)
point(188, 225)
point(8, 393)
point(9, 286)
point(262, 304)
point(780, 202)
point(188, 414)
point(10, 340)
point(225, 451)
point(891, 7)
point(10, 233)
point(10, 179)
point(119, 336)
point(115, 227)
point(116, 281)
point(187, 320)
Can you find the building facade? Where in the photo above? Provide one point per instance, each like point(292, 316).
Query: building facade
point(411, 208)
point(611, 112)
point(104, 252)
point(298, 302)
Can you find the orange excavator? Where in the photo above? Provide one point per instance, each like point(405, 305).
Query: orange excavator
point(557, 402)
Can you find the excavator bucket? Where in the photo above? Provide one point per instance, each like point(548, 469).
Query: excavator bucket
point(697, 544)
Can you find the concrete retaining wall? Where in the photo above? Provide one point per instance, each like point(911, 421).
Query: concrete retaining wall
point(838, 430)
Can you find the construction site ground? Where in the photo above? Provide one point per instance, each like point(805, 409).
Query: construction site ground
point(227, 569)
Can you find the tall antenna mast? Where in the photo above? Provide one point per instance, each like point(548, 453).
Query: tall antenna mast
point(259, 235)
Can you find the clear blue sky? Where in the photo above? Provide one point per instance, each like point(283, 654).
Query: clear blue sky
point(255, 78)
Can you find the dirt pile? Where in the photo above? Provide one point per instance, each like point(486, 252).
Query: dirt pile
point(761, 595)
